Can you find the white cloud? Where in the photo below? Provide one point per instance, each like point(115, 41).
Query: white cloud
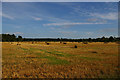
point(55, 19)
point(67, 32)
point(97, 20)
point(89, 33)
point(72, 23)
point(37, 18)
point(109, 30)
point(92, 19)
point(16, 33)
point(108, 16)
point(17, 27)
point(7, 16)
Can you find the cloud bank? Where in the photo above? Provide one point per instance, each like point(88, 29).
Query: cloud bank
point(108, 16)
point(72, 23)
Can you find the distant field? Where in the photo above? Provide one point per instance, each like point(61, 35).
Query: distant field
point(58, 60)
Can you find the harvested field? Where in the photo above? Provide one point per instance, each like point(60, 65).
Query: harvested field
point(56, 60)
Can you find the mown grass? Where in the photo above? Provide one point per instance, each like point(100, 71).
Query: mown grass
point(89, 58)
point(53, 53)
point(52, 59)
point(24, 49)
point(51, 56)
point(63, 54)
point(57, 53)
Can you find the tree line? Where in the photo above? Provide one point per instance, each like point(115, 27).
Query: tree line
point(13, 38)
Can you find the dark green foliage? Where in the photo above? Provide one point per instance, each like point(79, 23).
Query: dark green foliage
point(111, 39)
point(19, 38)
point(8, 37)
point(12, 38)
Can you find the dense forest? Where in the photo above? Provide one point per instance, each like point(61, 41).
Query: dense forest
point(13, 38)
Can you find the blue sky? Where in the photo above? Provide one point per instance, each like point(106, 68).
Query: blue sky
point(60, 19)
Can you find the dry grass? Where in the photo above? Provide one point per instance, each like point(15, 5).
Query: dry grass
point(38, 60)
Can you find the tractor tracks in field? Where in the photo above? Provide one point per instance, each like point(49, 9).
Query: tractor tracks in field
point(53, 57)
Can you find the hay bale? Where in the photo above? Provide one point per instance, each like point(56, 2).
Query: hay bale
point(106, 42)
point(47, 43)
point(85, 42)
point(18, 44)
point(32, 42)
point(75, 46)
point(60, 41)
point(117, 42)
point(64, 43)
point(94, 52)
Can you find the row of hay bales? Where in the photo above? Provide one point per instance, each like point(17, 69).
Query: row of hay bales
point(33, 42)
point(47, 43)
point(61, 42)
point(75, 46)
point(18, 43)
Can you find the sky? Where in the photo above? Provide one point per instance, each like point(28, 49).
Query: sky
point(59, 0)
point(60, 19)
